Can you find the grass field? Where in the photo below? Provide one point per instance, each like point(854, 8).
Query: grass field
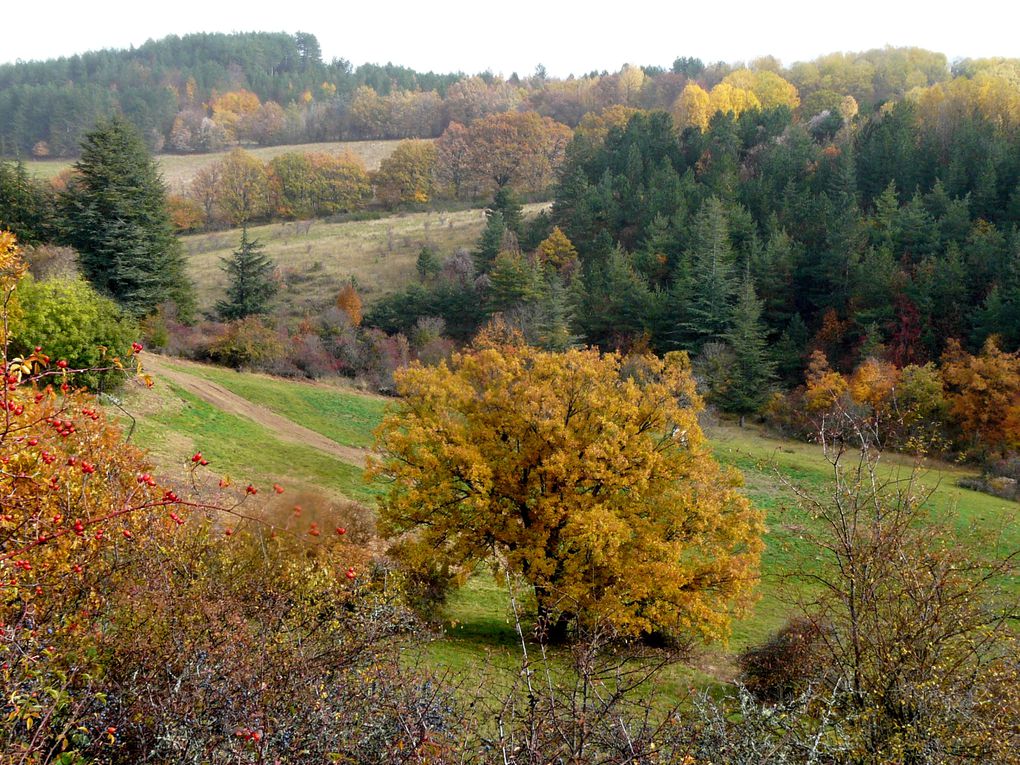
point(347, 417)
point(173, 424)
point(316, 257)
point(179, 169)
point(479, 638)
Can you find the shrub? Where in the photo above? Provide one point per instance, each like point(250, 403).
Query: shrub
point(780, 669)
point(74, 323)
point(247, 343)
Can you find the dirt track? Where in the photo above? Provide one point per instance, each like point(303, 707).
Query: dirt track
point(281, 427)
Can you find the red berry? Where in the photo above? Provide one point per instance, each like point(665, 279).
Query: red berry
point(277, 488)
point(62, 364)
point(340, 531)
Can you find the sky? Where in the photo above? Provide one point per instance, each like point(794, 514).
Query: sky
point(566, 37)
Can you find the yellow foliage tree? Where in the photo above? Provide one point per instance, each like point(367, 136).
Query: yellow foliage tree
point(872, 383)
point(769, 88)
point(984, 394)
point(349, 302)
point(587, 474)
point(727, 99)
point(408, 174)
point(824, 385)
point(692, 107)
point(557, 250)
point(230, 109)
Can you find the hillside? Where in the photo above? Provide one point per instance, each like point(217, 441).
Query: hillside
point(179, 169)
point(176, 418)
point(315, 257)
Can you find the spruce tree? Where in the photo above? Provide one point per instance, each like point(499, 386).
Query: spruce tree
point(490, 242)
point(753, 371)
point(115, 215)
point(505, 203)
point(251, 281)
point(710, 272)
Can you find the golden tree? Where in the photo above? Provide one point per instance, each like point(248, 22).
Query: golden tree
point(585, 473)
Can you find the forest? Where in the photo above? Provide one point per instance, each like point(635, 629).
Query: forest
point(584, 379)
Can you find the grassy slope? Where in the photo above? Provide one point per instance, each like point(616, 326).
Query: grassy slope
point(478, 631)
point(315, 258)
point(338, 413)
point(174, 424)
point(179, 169)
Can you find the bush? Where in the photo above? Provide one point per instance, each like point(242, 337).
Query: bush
point(780, 669)
point(266, 647)
point(74, 323)
point(247, 343)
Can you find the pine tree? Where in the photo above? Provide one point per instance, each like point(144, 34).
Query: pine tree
point(115, 215)
point(251, 281)
point(753, 371)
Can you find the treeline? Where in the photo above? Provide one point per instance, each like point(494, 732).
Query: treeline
point(47, 107)
point(206, 92)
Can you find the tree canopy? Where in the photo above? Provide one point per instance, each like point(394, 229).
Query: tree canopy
point(585, 473)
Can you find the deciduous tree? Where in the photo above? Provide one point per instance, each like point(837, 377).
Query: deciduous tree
point(407, 175)
point(586, 473)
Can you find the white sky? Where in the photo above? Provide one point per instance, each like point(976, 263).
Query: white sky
point(567, 37)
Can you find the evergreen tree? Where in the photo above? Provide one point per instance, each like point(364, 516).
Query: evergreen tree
point(490, 242)
point(554, 317)
point(753, 371)
point(251, 281)
point(505, 203)
point(711, 274)
point(115, 215)
point(24, 204)
point(428, 263)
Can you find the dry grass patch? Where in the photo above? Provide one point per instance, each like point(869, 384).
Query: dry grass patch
point(315, 257)
point(179, 169)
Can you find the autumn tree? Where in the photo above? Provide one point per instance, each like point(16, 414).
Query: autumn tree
point(453, 161)
point(309, 184)
point(769, 88)
point(585, 473)
point(242, 189)
point(232, 110)
point(692, 107)
point(557, 250)
point(983, 392)
point(349, 301)
point(251, 280)
point(517, 149)
point(407, 175)
point(115, 215)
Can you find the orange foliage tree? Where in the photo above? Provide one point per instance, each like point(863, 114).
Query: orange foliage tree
point(984, 395)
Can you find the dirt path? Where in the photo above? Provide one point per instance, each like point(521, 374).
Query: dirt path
point(281, 427)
